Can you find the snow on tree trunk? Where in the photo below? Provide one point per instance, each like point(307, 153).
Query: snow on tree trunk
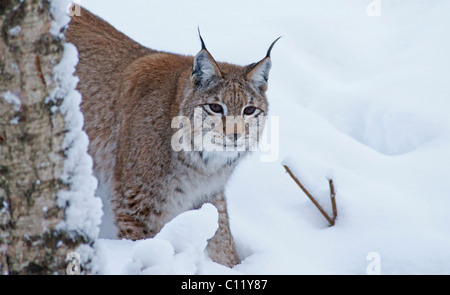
point(47, 203)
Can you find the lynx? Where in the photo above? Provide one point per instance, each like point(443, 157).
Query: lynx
point(131, 95)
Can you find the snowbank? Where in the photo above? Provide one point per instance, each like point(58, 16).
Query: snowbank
point(179, 249)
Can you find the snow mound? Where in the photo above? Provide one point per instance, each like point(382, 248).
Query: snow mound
point(178, 249)
point(152, 256)
point(191, 230)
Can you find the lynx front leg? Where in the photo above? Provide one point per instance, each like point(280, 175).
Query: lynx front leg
point(130, 228)
point(221, 247)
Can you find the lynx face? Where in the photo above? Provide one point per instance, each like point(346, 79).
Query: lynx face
point(227, 105)
point(230, 116)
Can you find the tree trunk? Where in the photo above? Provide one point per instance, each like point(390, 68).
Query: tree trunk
point(31, 143)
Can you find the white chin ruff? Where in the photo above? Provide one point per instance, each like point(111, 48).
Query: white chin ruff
point(220, 158)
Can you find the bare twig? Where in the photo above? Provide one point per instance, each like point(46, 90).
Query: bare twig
point(330, 220)
point(333, 200)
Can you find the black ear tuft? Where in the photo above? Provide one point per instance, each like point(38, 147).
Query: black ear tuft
point(205, 69)
point(201, 39)
point(271, 46)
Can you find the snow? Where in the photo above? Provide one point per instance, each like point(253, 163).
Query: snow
point(82, 208)
point(359, 98)
point(179, 249)
point(14, 121)
point(59, 10)
point(10, 98)
point(15, 31)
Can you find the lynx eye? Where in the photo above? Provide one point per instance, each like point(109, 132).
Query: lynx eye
point(249, 110)
point(216, 108)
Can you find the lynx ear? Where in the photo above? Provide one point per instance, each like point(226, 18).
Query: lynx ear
point(205, 68)
point(258, 73)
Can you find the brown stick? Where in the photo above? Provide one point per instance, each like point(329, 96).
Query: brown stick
point(333, 199)
point(330, 220)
